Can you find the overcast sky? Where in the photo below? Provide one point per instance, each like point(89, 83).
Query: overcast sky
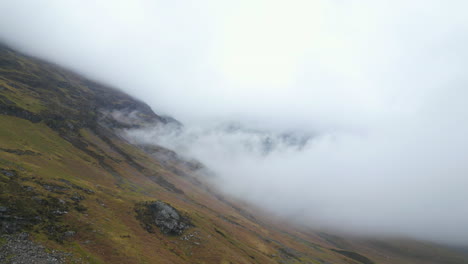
point(382, 86)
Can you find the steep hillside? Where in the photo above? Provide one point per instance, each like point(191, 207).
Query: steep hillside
point(70, 184)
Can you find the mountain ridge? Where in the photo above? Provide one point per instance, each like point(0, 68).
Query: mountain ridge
point(73, 185)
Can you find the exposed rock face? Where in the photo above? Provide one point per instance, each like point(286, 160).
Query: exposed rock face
point(164, 216)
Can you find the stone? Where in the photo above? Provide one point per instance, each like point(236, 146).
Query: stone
point(54, 188)
point(77, 197)
point(167, 218)
point(69, 234)
point(8, 173)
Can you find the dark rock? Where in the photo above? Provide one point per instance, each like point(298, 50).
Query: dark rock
point(3, 209)
point(8, 227)
point(86, 190)
point(166, 184)
point(59, 212)
point(77, 197)
point(19, 112)
point(20, 152)
point(8, 173)
point(6, 101)
point(167, 218)
point(55, 188)
point(79, 207)
point(69, 234)
point(164, 216)
point(38, 199)
point(23, 236)
point(14, 85)
point(28, 188)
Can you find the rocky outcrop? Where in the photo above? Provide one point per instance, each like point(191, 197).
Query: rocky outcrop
point(19, 112)
point(162, 215)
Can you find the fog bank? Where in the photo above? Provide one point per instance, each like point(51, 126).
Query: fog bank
point(371, 93)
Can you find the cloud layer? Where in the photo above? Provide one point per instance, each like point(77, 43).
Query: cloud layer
point(380, 86)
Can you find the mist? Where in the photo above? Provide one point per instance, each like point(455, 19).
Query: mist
point(363, 103)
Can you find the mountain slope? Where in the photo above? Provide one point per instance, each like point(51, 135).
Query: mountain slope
point(70, 182)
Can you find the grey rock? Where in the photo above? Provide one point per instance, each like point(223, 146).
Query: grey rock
point(69, 234)
point(8, 173)
point(167, 218)
point(20, 152)
point(28, 188)
point(23, 236)
point(77, 197)
point(59, 212)
point(55, 188)
point(7, 226)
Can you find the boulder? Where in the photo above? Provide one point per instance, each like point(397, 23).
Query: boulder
point(168, 219)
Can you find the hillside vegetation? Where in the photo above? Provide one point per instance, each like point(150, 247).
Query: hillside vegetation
point(69, 183)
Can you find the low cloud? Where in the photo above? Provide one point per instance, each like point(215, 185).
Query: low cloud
point(371, 93)
point(403, 178)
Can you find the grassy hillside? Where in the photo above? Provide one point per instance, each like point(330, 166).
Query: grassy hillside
point(70, 182)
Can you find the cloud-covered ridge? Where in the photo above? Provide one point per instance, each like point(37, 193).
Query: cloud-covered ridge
point(374, 91)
